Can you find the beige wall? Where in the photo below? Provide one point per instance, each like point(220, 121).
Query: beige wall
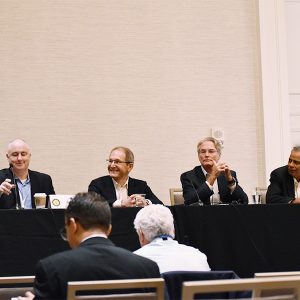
point(80, 77)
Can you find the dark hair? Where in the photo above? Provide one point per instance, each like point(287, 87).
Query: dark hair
point(91, 210)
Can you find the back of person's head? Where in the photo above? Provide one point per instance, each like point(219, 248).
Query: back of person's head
point(216, 143)
point(90, 210)
point(154, 220)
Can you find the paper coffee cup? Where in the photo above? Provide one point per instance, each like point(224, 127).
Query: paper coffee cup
point(40, 200)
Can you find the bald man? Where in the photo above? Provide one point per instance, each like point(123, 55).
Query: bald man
point(18, 183)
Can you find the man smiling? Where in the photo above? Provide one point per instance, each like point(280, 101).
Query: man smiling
point(18, 183)
point(284, 181)
point(118, 188)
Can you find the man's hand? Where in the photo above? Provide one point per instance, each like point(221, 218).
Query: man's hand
point(28, 296)
point(6, 187)
point(295, 201)
point(129, 202)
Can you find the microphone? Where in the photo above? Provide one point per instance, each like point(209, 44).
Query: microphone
point(18, 202)
point(199, 200)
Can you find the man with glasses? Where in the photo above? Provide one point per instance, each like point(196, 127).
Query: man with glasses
point(18, 184)
point(284, 181)
point(118, 188)
point(92, 257)
point(213, 182)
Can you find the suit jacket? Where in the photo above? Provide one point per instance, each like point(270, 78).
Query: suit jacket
point(39, 183)
point(95, 259)
point(281, 188)
point(194, 186)
point(105, 187)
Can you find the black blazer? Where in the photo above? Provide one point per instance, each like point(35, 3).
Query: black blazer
point(194, 186)
point(105, 187)
point(39, 183)
point(281, 188)
point(95, 259)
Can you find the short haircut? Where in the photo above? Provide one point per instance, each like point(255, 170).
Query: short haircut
point(128, 153)
point(91, 210)
point(296, 148)
point(217, 144)
point(154, 220)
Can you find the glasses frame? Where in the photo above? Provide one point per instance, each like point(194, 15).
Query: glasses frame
point(117, 162)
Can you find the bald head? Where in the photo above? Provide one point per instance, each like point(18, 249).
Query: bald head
point(18, 155)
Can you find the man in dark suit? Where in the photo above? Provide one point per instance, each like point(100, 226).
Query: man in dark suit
point(213, 182)
point(93, 255)
point(18, 183)
point(118, 188)
point(284, 181)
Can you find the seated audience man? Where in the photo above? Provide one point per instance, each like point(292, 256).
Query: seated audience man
point(92, 257)
point(284, 181)
point(18, 183)
point(118, 188)
point(155, 227)
point(213, 182)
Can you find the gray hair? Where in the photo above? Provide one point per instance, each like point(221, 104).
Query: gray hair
point(217, 144)
point(154, 220)
point(296, 148)
point(128, 153)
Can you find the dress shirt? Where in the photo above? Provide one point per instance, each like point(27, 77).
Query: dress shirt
point(121, 192)
point(172, 256)
point(24, 188)
point(297, 188)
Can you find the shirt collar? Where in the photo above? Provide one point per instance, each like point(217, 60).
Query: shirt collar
point(103, 235)
point(119, 186)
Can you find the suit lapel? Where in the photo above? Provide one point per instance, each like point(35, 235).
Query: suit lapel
point(110, 191)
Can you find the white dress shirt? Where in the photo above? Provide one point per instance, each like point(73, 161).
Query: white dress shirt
point(172, 256)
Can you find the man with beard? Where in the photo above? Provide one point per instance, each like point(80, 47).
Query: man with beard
point(284, 181)
point(118, 188)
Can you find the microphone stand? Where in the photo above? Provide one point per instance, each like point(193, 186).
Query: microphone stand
point(199, 200)
point(18, 202)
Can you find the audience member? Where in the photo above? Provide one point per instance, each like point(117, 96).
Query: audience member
point(213, 182)
point(18, 183)
point(93, 255)
point(118, 188)
point(155, 227)
point(284, 181)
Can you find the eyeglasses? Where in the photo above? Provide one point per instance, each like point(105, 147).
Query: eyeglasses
point(117, 162)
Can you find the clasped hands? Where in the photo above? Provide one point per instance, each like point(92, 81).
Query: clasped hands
point(217, 169)
point(134, 200)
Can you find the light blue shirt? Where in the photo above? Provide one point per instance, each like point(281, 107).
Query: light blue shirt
point(24, 188)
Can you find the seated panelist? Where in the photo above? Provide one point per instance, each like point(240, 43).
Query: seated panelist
point(213, 182)
point(118, 188)
point(18, 183)
point(284, 181)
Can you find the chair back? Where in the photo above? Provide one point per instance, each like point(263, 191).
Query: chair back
point(257, 285)
point(113, 286)
point(15, 286)
point(283, 291)
point(174, 280)
point(176, 196)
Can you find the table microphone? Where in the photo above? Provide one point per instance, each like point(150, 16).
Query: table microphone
point(18, 203)
point(199, 200)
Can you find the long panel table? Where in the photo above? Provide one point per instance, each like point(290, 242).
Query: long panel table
point(242, 238)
